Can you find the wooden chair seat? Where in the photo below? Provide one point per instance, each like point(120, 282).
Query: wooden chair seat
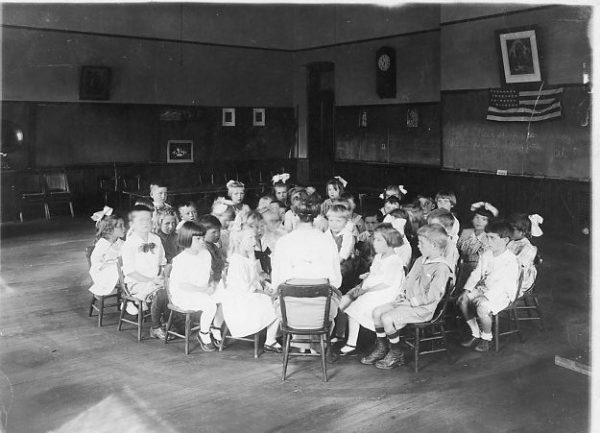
point(191, 325)
point(127, 297)
point(99, 308)
point(32, 191)
point(254, 338)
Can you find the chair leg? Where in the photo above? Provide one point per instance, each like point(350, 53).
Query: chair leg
point(140, 320)
point(445, 340)
point(417, 343)
point(169, 323)
point(71, 208)
point(497, 332)
point(286, 354)
point(323, 362)
point(224, 330)
point(539, 312)
point(47, 210)
point(100, 311)
point(187, 333)
point(513, 317)
point(256, 341)
point(92, 306)
point(21, 215)
point(123, 308)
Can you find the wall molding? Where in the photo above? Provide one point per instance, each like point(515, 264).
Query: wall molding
point(499, 14)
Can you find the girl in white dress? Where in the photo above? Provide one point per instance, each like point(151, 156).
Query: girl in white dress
point(236, 192)
point(380, 286)
point(103, 269)
point(245, 296)
point(189, 280)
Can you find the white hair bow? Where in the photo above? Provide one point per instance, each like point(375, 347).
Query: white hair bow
point(536, 220)
point(220, 205)
point(402, 189)
point(343, 181)
point(388, 219)
point(234, 183)
point(381, 196)
point(283, 177)
point(97, 216)
point(487, 206)
point(399, 224)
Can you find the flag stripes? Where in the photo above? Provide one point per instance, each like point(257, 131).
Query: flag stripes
point(507, 105)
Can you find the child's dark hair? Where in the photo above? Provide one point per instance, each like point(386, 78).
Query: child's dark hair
point(500, 227)
point(444, 216)
point(373, 212)
point(278, 203)
point(408, 228)
point(209, 221)
point(106, 226)
point(392, 200)
point(305, 207)
point(337, 185)
point(186, 233)
point(521, 222)
point(392, 236)
point(188, 203)
point(340, 210)
point(447, 195)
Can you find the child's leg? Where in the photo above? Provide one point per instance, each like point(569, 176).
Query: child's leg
point(158, 308)
point(465, 305)
point(353, 329)
point(218, 322)
point(206, 318)
point(381, 344)
point(395, 356)
point(272, 333)
point(340, 325)
point(485, 317)
point(377, 313)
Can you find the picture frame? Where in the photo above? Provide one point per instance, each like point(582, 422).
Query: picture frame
point(228, 118)
point(258, 117)
point(519, 56)
point(94, 83)
point(180, 151)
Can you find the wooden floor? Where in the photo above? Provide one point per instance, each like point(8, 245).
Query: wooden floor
point(56, 364)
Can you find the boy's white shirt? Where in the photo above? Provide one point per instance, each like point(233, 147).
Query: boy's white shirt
point(496, 274)
point(348, 241)
point(147, 264)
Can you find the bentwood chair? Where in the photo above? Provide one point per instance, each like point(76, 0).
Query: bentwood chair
point(305, 308)
point(58, 190)
point(432, 332)
point(509, 314)
point(192, 323)
point(97, 302)
point(127, 298)
point(529, 304)
point(32, 191)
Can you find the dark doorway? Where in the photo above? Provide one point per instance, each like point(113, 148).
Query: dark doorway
point(321, 126)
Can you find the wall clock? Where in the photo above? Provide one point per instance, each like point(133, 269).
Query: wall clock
point(385, 61)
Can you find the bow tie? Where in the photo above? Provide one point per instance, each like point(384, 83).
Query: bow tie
point(147, 247)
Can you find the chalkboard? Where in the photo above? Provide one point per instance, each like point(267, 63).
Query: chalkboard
point(403, 133)
point(83, 133)
point(557, 148)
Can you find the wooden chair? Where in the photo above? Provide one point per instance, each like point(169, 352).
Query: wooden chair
point(32, 191)
point(529, 303)
point(190, 325)
point(127, 297)
point(432, 331)
point(510, 315)
point(254, 338)
point(294, 299)
point(99, 308)
point(57, 189)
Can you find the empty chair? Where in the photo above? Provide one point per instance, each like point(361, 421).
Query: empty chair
point(57, 189)
point(32, 192)
point(305, 312)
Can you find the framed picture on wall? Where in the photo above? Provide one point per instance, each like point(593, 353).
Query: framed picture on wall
point(180, 151)
point(94, 83)
point(519, 56)
point(228, 117)
point(258, 117)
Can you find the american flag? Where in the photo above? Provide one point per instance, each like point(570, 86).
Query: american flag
point(507, 105)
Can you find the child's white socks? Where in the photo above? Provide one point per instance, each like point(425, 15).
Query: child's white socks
point(475, 331)
point(487, 336)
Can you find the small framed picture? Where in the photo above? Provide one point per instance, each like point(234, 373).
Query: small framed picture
point(258, 117)
point(519, 56)
point(94, 83)
point(180, 151)
point(362, 119)
point(228, 117)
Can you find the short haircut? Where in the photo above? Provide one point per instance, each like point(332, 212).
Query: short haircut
point(209, 222)
point(141, 208)
point(278, 203)
point(392, 236)
point(395, 189)
point(161, 215)
point(280, 184)
point(373, 212)
point(106, 226)
point(295, 190)
point(436, 234)
point(143, 203)
point(305, 207)
point(344, 202)
point(521, 222)
point(444, 216)
point(500, 227)
point(339, 210)
point(188, 203)
point(408, 228)
point(448, 195)
point(187, 231)
point(337, 185)
point(265, 201)
point(392, 200)
point(155, 186)
point(253, 215)
point(481, 210)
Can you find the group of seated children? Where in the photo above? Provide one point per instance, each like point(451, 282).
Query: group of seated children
point(395, 261)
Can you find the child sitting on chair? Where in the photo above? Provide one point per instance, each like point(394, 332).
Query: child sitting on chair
point(223, 209)
point(237, 191)
point(189, 283)
point(188, 211)
point(245, 296)
point(166, 221)
point(340, 229)
point(491, 287)
point(447, 200)
point(444, 218)
point(212, 229)
point(110, 228)
point(143, 257)
point(364, 244)
point(523, 227)
point(421, 293)
point(280, 187)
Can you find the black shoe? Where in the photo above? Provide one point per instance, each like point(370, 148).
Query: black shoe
point(482, 346)
point(393, 358)
point(206, 347)
point(275, 347)
point(351, 350)
point(378, 352)
point(469, 342)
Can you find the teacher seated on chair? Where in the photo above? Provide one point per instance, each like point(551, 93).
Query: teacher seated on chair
point(306, 253)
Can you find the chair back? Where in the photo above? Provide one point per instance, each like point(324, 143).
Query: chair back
point(31, 183)
point(57, 181)
point(122, 277)
point(305, 305)
point(442, 306)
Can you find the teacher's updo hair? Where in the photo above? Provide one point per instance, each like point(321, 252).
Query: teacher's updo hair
point(305, 207)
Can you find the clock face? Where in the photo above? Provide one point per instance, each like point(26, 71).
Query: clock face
point(383, 62)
